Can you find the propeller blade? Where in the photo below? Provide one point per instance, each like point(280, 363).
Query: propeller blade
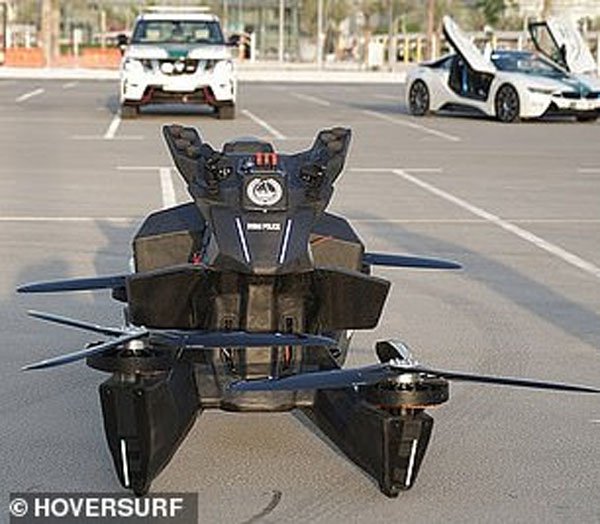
point(390, 260)
point(79, 324)
point(74, 284)
point(331, 379)
point(215, 339)
point(507, 381)
point(343, 378)
point(84, 353)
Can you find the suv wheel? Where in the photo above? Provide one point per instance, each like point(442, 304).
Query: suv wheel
point(129, 111)
point(587, 117)
point(226, 112)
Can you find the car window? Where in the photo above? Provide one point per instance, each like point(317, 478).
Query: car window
point(177, 32)
point(526, 63)
point(443, 63)
point(546, 43)
point(446, 63)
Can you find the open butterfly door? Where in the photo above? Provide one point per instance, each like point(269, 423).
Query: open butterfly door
point(465, 48)
point(559, 40)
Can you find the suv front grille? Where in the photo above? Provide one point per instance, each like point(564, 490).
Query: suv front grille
point(177, 66)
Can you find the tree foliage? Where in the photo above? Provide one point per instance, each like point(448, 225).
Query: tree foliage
point(334, 12)
point(492, 10)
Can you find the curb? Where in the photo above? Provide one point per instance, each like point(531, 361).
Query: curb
point(46, 73)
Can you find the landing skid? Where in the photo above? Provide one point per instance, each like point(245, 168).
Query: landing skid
point(389, 447)
point(148, 412)
point(146, 417)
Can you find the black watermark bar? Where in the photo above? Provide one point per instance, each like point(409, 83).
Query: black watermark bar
point(102, 508)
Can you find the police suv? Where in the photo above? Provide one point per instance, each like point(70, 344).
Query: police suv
point(177, 56)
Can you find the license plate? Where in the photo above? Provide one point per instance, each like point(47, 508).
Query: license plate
point(179, 87)
point(584, 105)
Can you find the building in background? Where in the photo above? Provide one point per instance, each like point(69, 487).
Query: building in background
point(349, 27)
point(260, 18)
point(576, 9)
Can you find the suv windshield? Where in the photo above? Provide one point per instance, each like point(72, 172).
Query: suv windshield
point(177, 32)
point(525, 63)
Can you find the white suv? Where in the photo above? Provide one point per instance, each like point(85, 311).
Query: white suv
point(177, 57)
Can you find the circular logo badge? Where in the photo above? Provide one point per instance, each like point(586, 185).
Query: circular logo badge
point(264, 191)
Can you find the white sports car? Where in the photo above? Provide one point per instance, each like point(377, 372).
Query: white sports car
point(510, 85)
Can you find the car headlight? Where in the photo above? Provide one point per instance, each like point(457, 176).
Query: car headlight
point(224, 67)
point(542, 90)
point(132, 64)
point(167, 68)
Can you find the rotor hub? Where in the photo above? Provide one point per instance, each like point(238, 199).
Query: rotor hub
point(409, 390)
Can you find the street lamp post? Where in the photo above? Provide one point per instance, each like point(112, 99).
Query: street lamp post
point(225, 16)
point(281, 27)
point(320, 34)
point(392, 32)
point(3, 43)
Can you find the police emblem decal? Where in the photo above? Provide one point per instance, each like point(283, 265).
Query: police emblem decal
point(264, 192)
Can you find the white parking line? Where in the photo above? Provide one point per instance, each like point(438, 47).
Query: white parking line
point(553, 249)
point(69, 85)
point(473, 220)
point(67, 219)
point(140, 168)
point(112, 128)
point(352, 219)
point(29, 95)
point(555, 220)
point(102, 137)
point(312, 99)
point(288, 138)
point(412, 125)
point(589, 170)
point(417, 220)
point(167, 188)
point(388, 97)
point(388, 169)
point(269, 128)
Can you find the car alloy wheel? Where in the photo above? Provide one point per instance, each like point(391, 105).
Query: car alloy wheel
point(507, 104)
point(418, 98)
point(588, 117)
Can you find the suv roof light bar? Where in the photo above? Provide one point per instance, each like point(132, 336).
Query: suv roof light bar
point(176, 9)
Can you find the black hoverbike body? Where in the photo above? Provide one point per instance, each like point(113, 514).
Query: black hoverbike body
point(244, 300)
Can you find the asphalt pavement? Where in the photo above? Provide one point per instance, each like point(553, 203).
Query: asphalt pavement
point(518, 205)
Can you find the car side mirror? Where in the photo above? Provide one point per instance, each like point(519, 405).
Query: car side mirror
point(122, 42)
